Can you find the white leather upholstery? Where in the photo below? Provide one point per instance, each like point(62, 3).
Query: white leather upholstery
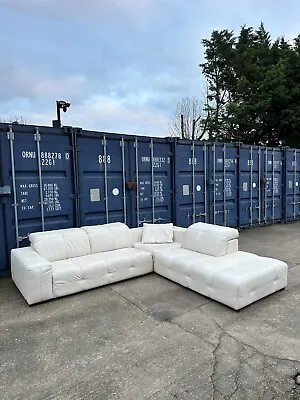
point(232, 246)
point(152, 248)
point(32, 275)
point(157, 233)
point(108, 237)
point(136, 234)
point(179, 234)
point(203, 258)
point(209, 239)
point(237, 279)
point(82, 273)
point(60, 244)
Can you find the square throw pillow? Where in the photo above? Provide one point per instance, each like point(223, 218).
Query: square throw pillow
point(157, 233)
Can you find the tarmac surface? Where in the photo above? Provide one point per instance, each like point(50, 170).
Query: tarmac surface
point(149, 338)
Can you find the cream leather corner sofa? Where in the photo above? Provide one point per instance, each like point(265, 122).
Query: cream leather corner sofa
point(203, 257)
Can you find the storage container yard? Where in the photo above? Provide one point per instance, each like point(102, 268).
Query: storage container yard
point(55, 178)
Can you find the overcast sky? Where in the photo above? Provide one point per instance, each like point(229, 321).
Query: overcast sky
point(123, 64)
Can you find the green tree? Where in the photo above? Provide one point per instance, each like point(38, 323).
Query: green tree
point(254, 87)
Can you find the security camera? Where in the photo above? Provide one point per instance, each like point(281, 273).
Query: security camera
point(63, 105)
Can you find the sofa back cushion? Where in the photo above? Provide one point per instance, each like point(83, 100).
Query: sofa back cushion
point(108, 237)
point(157, 233)
point(61, 244)
point(209, 239)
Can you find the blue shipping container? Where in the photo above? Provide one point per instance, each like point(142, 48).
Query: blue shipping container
point(59, 178)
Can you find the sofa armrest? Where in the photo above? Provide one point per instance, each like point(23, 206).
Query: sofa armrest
point(232, 246)
point(32, 275)
point(136, 234)
point(179, 234)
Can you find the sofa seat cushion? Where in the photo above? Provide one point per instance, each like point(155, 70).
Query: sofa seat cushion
point(60, 244)
point(237, 279)
point(152, 248)
point(81, 273)
point(209, 239)
point(108, 237)
point(174, 264)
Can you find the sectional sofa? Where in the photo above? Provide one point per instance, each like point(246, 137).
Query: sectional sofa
point(203, 258)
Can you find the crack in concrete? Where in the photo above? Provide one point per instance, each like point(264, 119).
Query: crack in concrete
point(133, 304)
point(216, 347)
point(214, 367)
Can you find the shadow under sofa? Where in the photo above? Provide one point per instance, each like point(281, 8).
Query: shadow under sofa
point(203, 257)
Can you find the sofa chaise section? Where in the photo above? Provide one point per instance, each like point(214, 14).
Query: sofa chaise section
point(209, 263)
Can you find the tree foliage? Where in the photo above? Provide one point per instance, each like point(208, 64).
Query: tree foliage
point(253, 87)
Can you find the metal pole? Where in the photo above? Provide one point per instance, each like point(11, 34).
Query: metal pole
point(273, 185)
point(295, 179)
point(58, 113)
point(205, 183)
point(105, 177)
point(152, 181)
point(10, 137)
point(122, 144)
point(214, 181)
point(37, 137)
point(259, 187)
point(224, 185)
point(193, 182)
point(182, 126)
point(266, 184)
point(251, 185)
point(137, 182)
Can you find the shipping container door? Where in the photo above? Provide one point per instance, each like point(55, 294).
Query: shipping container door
point(37, 165)
point(223, 170)
point(151, 173)
point(292, 185)
point(250, 186)
point(272, 185)
point(190, 183)
point(103, 170)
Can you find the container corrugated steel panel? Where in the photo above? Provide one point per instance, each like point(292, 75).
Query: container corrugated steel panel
point(260, 186)
point(190, 170)
point(103, 170)
point(151, 167)
point(250, 188)
point(223, 173)
point(37, 166)
point(292, 185)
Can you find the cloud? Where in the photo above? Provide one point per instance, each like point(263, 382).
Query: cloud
point(98, 113)
point(20, 82)
point(123, 64)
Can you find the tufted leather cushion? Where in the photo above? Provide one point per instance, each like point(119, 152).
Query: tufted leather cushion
point(108, 237)
point(60, 244)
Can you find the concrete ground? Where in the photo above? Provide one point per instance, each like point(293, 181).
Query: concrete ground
point(149, 338)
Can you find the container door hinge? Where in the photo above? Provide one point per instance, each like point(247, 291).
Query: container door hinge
point(37, 135)
point(10, 134)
